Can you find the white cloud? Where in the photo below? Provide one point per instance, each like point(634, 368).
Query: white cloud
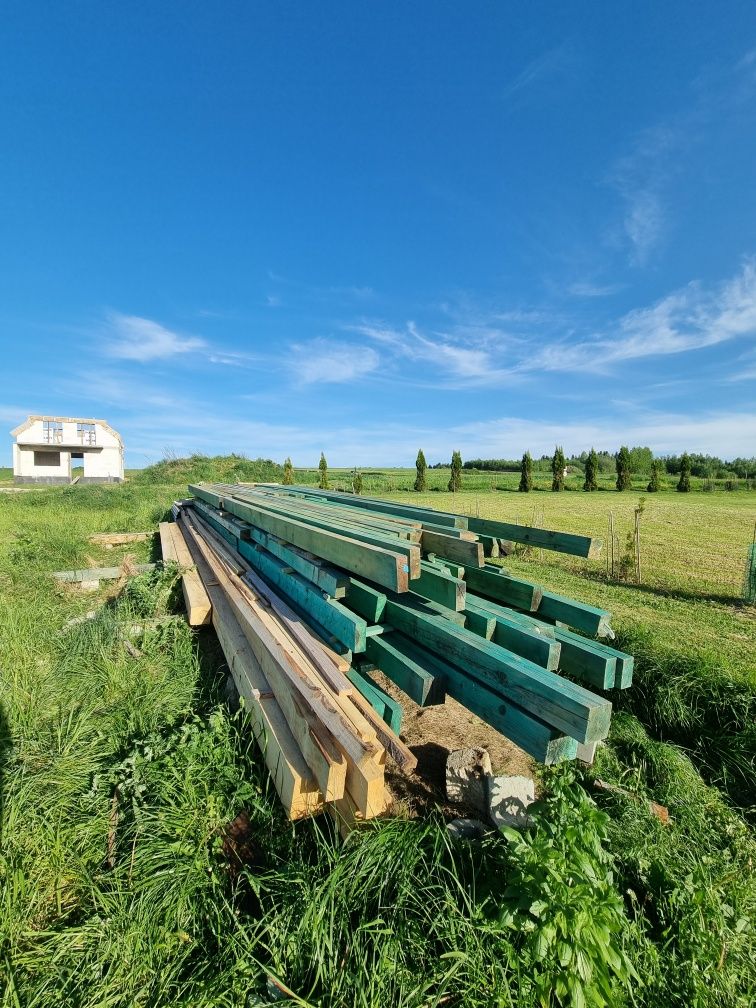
point(130, 337)
point(688, 319)
point(322, 360)
point(726, 434)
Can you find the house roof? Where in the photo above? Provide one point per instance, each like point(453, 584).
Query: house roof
point(32, 418)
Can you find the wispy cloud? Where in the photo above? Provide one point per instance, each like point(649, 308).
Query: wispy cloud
point(723, 433)
point(130, 337)
point(548, 65)
point(641, 178)
point(689, 319)
point(331, 361)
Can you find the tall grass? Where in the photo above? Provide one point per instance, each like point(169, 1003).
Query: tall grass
point(145, 860)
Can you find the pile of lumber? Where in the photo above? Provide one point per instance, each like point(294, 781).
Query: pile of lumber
point(316, 590)
point(323, 743)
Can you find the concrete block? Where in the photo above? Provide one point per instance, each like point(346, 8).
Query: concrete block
point(467, 774)
point(508, 800)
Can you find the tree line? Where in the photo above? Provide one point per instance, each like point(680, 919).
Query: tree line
point(626, 463)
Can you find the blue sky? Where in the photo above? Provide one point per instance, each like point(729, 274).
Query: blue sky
point(364, 228)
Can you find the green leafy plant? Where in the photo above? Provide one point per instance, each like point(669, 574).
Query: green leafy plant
point(323, 470)
point(288, 473)
point(622, 460)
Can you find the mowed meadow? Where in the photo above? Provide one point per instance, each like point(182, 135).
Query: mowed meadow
point(145, 860)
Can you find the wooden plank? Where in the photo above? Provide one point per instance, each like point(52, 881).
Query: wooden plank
point(299, 693)
point(292, 777)
point(578, 615)
point(382, 566)
point(438, 585)
point(568, 707)
point(404, 758)
point(389, 507)
point(561, 542)
point(497, 584)
point(101, 573)
point(196, 599)
point(330, 580)
point(397, 665)
point(366, 601)
point(460, 551)
point(335, 617)
point(385, 706)
point(536, 647)
point(540, 740)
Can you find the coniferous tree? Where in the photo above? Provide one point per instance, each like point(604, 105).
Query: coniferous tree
point(455, 480)
point(288, 473)
point(683, 484)
point(356, 481)
point(323, 466)
point(526, 473)
point(591, 468)
point(622, 459)
point(653, 485)
point(557, 469)
point(421, 466)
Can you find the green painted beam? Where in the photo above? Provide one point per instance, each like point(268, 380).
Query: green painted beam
point(331, 581)
point(460, 551)
point(540, 740)
point(561, 542)
point(438, 585)
point(578, 615)
point(384, 567)
point(384, 705)
point(332, 524)
point(365, 600)
point(336, 618)
point(396, 660)
point(413, 512)
point(539, 648)
point(566, 706)
point(586, 660)
point(502, 587)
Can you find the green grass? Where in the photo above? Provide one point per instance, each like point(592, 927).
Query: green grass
point(120, 775)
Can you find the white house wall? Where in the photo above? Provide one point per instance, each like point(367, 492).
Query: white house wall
point(102, 462)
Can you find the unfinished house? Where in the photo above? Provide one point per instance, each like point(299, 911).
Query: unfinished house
point(46, 450)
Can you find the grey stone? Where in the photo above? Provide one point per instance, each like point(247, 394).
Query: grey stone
point(467, 774)
point(466, 829)
point(508, 800)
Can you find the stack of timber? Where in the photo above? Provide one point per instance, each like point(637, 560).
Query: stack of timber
point(351, 585)
point(323, 743)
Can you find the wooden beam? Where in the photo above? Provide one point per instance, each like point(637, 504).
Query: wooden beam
point(502, 587)
point(558, 702)
point(562, 542)
point(397, 662)
point(385, 567)
point(460, 551)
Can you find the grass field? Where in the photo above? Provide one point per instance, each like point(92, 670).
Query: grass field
point(122, 884)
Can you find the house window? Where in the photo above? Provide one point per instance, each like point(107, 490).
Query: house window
point(45, 458)
point(52, 431)
point(86, 433)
